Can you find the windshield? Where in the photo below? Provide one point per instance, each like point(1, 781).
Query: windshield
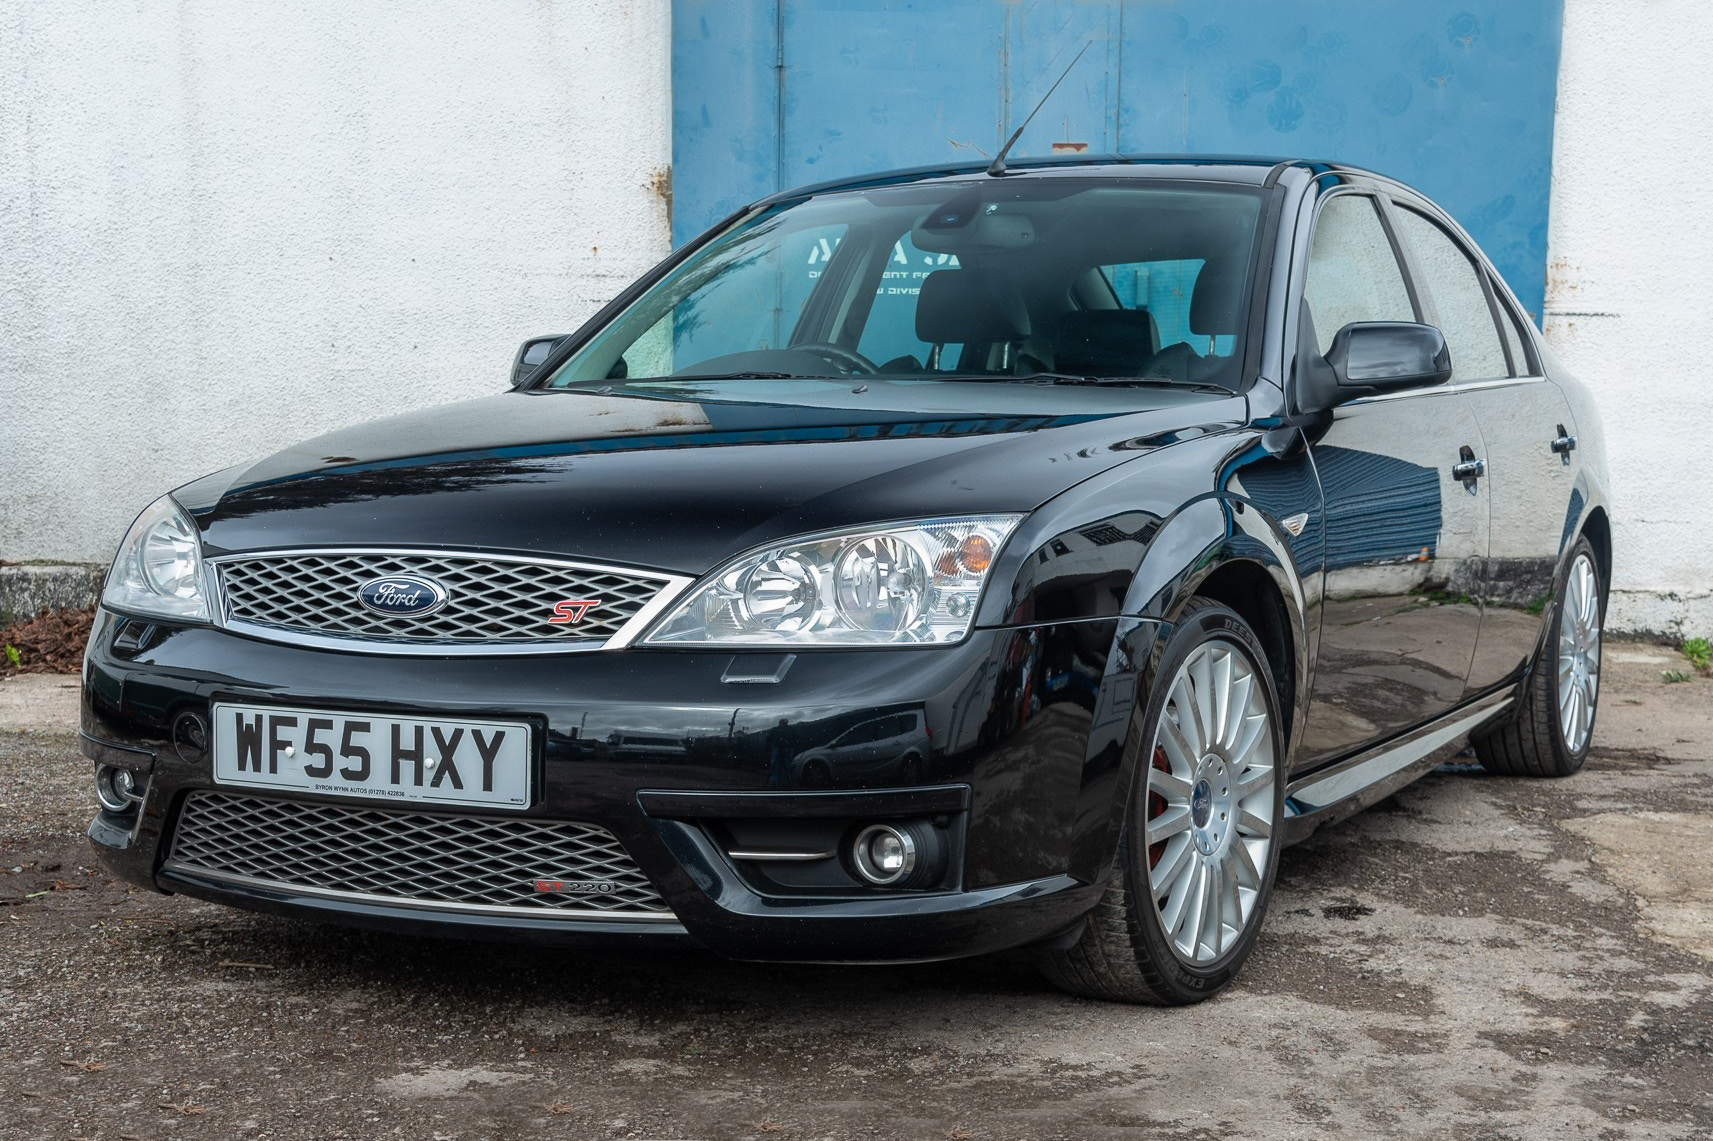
point(993, 279)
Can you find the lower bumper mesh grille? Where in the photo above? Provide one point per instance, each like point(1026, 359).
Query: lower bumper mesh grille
point(479, 863)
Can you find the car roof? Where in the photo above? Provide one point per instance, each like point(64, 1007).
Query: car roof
point(1246, 170)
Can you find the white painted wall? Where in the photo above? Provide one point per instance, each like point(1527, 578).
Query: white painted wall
point(1628, 306)
point(224, 227)
point(227, 227)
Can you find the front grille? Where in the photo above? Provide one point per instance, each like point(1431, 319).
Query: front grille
point(456, 862)
point(490, 600)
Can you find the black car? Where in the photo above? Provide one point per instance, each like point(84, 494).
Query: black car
point(1169, 508)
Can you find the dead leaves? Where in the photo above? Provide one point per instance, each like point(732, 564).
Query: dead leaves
point(86, 1067)
point(51, 642)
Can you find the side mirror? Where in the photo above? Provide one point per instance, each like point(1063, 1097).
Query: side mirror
point(1385, 356)
point(1370, 357)
point(534, 351)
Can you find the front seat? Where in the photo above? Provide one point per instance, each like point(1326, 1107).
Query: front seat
point(1105, 342)
point(979, 309)
point(1216, 307)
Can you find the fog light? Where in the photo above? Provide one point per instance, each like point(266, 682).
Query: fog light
point(117, 789)
point(883, 854)
point(907, 854)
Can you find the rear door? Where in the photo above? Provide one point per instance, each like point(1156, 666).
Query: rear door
point(1404, 539)
point(1526, 429)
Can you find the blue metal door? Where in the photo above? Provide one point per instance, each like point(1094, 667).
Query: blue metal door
point(1453, 96)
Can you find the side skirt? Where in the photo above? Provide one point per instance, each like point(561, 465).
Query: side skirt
point(1345, 788)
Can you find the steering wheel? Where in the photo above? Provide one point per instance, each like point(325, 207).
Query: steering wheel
point(853, 363)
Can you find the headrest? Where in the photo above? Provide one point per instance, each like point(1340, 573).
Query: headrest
point(969, 307)
point(1216, 302)
point(1105, 342)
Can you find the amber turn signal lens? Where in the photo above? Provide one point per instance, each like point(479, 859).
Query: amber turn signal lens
point(975, 554)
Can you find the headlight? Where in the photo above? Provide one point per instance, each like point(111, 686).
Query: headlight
point(888, 585)
point(158, 569)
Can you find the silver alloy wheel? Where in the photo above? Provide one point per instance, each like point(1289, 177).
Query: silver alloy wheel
point(1209, 808)
point(1579, 653)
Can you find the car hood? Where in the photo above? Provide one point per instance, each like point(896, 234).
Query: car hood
point(680, 477)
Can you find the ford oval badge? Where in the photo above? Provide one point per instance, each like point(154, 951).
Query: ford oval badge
point(402, 595)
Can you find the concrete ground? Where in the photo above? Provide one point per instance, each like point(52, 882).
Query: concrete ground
point(1477, 958)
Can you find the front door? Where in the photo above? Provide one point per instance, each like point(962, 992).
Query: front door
point(1405, 538)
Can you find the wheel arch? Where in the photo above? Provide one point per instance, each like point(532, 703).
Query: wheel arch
point(1227, 549)
point(1247, 588)
point(1597, 528)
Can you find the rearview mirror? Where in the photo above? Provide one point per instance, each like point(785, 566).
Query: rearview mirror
point(1370, 357)
point(534, 351)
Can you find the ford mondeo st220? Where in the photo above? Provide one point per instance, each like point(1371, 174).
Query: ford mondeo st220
point(924, 565)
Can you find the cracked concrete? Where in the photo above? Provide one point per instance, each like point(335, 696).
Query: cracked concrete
point(1664, 859)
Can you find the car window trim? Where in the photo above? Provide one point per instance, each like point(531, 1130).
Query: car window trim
point(1494, 315)
point(1498, 291)
point(1520, 324)
point(1426, 309)
point(1446, 389)
point(1478, 265)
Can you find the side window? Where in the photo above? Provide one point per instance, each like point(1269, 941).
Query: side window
point(890, 331)
point(1352, 274)
point(1454, 283)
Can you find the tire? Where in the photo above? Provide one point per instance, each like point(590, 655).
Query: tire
point(1138, 944)
point(1557, 701)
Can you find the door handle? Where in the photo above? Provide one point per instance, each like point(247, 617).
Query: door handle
point(1565, 444)
point(1469, 470)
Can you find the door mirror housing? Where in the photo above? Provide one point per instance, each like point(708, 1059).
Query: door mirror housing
point(1387, 356)
point(531, 354)
point(1367, 358)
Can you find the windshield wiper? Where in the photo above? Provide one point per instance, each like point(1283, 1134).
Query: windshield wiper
point(1078, 378)
point(744, 376)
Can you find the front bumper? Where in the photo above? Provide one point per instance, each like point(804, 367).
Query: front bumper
point(1028, 729)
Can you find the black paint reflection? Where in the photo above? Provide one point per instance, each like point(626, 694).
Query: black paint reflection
point(773, 749)
point(1405, 546)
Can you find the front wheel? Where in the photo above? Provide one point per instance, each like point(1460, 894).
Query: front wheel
point(1196, 863)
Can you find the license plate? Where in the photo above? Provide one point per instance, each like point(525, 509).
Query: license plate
point(399, 759)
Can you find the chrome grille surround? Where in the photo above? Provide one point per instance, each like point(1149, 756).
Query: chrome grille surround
point(464, 863)
point(496, 603)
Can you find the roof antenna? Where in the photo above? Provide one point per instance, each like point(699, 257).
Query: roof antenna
point(997, 167)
